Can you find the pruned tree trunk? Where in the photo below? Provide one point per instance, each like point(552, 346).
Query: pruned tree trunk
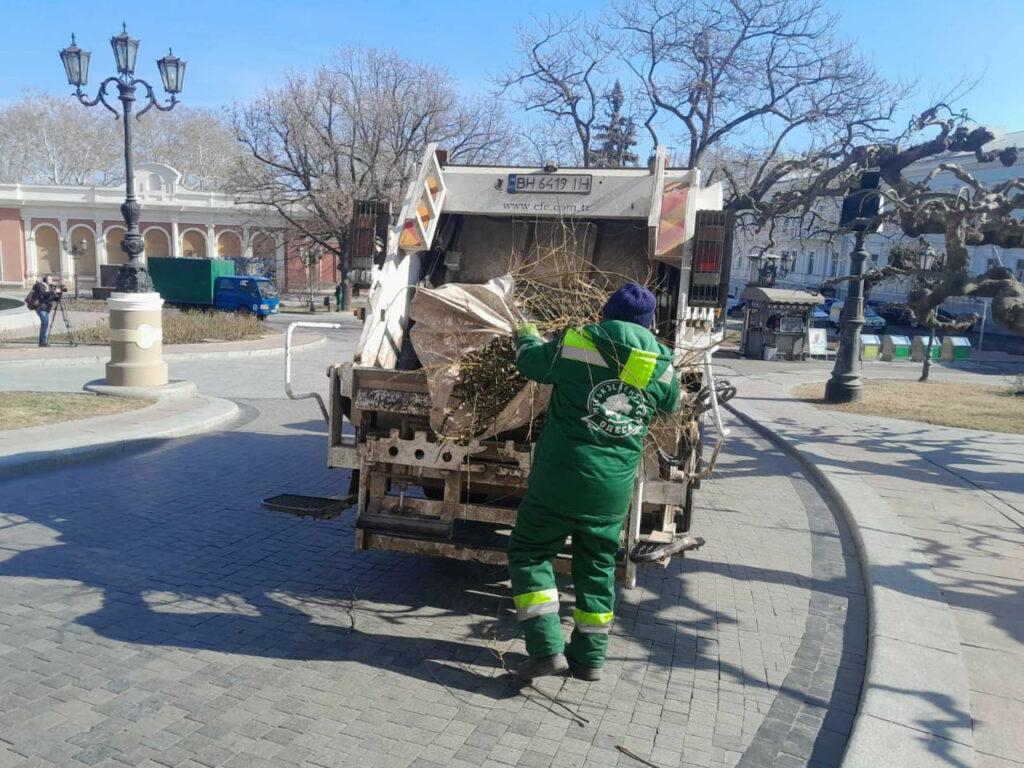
point(926, 366)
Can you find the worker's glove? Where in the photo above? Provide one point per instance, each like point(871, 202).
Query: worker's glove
point(528, 329)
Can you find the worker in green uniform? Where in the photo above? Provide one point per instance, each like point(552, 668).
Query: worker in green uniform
point(610, 380)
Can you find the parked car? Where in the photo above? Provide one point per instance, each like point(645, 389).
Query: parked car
point(733, 305)
point(873, 322)
point(819, 318)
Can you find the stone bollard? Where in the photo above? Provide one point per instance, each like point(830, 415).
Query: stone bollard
point(136, 341)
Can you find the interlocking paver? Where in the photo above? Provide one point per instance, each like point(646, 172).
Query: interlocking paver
point(152, 613)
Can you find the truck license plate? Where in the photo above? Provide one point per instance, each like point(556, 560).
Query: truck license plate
point(547, 183)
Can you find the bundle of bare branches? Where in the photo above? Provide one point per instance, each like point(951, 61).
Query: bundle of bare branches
point(488, 381)
point(556, 293)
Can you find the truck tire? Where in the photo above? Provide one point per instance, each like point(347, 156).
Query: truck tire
point(244, 310)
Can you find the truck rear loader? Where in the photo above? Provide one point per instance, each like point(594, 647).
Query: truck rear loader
point(416, 492)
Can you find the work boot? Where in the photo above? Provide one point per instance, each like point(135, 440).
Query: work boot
point(590, 674)
point(544, 666)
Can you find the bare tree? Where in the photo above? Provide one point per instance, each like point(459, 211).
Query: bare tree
point(561, 75)
point(768, 80)
point(198, 142)
point(949, 201)
point(354, 128)
point(46, 139)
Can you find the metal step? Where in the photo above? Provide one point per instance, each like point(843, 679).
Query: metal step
point(317, 507)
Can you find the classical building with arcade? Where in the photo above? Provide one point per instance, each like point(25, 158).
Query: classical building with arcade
point(72, 231)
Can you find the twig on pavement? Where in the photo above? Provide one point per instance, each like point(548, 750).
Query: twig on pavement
point(635, 756)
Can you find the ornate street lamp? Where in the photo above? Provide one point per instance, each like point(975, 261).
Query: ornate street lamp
point(136, 326)
point(311, 257)
point(766, 268)
point(77, 251)
point(861, 209)
point(132, 276)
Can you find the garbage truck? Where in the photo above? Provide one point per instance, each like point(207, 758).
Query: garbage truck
point(412, 490)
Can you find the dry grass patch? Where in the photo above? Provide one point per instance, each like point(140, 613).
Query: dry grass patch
point(34, 409)
point(84, 304)
point(946, 404)
point(191, 327)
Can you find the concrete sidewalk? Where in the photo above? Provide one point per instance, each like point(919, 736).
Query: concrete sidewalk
point(939, 517)
point(46, 447)
point(91, 354)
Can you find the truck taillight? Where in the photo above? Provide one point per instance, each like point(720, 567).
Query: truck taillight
point(712, 254)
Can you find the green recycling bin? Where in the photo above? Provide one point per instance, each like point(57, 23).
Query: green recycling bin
point(870, 346)
point(895, 348)
point(956, 348)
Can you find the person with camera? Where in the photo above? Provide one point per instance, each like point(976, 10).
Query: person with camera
point(41, 298)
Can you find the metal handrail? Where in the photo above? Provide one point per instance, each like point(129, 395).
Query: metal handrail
point(288, 365)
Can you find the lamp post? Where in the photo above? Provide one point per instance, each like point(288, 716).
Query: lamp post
point(860, 207)
point(135, 310)
point(132, 276)
point(766, 268)
point(77, 251)
point(311, 258)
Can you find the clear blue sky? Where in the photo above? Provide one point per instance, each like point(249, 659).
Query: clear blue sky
point(234, 48)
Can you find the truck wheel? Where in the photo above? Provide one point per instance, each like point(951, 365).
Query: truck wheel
point(244, 311)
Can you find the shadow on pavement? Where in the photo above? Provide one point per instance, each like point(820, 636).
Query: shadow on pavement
point(183, 556)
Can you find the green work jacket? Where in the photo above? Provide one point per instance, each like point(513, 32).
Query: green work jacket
point(609, 381)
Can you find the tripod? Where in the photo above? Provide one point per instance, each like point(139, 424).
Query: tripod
point(72, 341)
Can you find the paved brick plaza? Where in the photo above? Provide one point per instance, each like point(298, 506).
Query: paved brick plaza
point(152, 614)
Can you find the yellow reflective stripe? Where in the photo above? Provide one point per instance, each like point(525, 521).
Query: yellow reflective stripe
point(592, 619)
point(576, 345)
point(527, 599)
point(578, 340)
point(531, 604)
point(639, 368)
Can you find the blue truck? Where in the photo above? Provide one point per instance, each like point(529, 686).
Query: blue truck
point(212, 284)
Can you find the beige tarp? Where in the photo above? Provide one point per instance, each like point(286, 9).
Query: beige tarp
point(451, 322)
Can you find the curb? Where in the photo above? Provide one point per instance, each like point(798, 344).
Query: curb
point(172, 356)
point(915, 701)
point(213, 412)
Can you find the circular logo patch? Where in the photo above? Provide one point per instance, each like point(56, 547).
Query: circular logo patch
point(617, 409)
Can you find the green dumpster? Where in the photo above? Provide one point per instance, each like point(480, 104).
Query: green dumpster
point(870, 345)
point(956, 348)
point(895, 348)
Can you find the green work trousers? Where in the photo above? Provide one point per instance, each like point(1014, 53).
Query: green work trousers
point(538, 536)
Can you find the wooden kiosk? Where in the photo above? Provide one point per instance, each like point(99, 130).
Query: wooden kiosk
point(775, 322)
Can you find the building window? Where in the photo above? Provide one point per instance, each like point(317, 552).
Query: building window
point(810, 262)
point(835, 265)
point(1020, 269)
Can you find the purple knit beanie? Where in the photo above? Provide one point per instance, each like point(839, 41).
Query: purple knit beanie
point(632, 303)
